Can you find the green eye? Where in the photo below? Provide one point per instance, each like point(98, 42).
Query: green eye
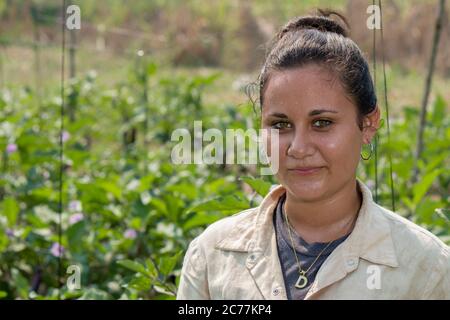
point(322, 123)
point(281, 125)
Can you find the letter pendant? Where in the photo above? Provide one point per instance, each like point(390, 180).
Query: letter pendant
point(302, 281)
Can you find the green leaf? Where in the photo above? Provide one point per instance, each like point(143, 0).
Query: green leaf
point(190, 191)
point(145, 183)
point(425, 210)
point(200, 219)
point(174, 207)
point(21, 283)
point(260, 186)
point(444, 213)
point(160, 206)
point(4, 241)
point(11, 210)
point(438, 114)
point(152, 271)
point(225, 203)
point(436, 162)
point(167, 264)
point(408, 203)
point(44, 194)
point(151, 68)
point(136, 223)
point(134, 266)
point(164, 290)
point(140, 283)
point(422, 187)
point(111, 188)
point(75, 235)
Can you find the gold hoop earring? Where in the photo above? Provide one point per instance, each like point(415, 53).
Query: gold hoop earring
point(370, 154)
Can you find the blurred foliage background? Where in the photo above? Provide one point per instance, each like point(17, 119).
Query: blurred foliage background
point(136, 71)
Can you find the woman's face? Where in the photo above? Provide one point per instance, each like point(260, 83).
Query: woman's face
point(318, 128)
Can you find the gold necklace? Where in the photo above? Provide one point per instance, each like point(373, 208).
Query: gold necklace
point(302, 280)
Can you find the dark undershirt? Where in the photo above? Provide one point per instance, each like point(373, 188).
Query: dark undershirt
point(306, 253)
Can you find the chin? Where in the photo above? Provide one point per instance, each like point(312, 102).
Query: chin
point(305, 189)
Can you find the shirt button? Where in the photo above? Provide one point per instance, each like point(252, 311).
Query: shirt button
point(251, 260)
point(276, 292)
point(351, 262)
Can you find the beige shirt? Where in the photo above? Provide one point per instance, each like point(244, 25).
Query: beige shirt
point(385, 257)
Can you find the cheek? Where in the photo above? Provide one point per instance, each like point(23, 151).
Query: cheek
point(283, 145)
point(341, 150)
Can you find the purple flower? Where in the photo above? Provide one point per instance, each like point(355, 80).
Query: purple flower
point(57, 250)
point(130, 234)
point(12, 147)
point(74, 218)
point(75, 206)
point(10, 233)
point(65, 136)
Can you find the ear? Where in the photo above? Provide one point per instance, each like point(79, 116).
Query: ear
point(371, 123)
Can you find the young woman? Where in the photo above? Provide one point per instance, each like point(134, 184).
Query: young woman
point(319, 234)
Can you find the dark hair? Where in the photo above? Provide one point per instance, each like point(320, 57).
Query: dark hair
point(321, 40)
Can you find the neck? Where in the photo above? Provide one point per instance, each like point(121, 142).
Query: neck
point(326, 219)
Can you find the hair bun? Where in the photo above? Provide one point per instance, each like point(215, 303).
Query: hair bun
point(320, 22)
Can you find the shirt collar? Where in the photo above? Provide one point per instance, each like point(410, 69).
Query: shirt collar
point(370, 239)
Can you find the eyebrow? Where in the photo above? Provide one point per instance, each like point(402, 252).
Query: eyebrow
point(319, 111)
point(311, 113)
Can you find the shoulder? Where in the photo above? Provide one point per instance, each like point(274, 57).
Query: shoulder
point(413, 234)
point(414, 243)
point(231, 232)
point(236, 229)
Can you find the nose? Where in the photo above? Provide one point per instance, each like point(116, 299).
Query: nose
point(301, 145)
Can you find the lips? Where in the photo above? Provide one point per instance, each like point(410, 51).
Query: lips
point(305, 170)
